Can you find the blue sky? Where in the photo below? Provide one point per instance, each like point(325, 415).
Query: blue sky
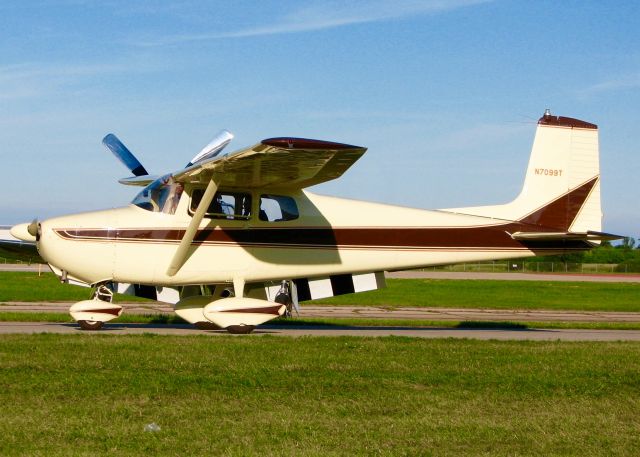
point(445, 94)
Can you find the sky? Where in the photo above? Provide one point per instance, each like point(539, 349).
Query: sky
point(445, 94)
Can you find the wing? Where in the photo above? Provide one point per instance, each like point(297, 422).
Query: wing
point(276, 162)
point(12, 244)
point(291, 163)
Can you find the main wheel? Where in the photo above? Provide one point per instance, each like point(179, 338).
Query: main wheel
point(90, 325)
point(202, 325)
point(240, 329)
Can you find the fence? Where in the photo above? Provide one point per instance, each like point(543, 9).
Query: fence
point(4, 260)
point(534, 267)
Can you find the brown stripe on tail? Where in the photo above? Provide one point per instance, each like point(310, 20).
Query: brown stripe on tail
point(560, 213)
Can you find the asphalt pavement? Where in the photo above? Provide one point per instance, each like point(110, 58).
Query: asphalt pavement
point(326, 331)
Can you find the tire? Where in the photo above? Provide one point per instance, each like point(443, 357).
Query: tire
point(240, 329)
point(202, 325)
point(90, 325)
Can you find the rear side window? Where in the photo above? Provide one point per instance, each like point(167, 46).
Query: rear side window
point(277, 208)
point(225, 205)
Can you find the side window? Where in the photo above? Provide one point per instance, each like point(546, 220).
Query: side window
point(225, 205)
point(277, 208)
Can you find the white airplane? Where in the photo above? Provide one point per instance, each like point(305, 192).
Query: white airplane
point(234, 240)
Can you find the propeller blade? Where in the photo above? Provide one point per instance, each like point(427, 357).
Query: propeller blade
point(215, 147)
point(180, 257)
point(124, 155)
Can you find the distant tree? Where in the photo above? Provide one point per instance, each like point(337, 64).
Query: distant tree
point(627, 243)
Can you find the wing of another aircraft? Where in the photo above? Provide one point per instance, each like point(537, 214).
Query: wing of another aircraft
point(276, 162)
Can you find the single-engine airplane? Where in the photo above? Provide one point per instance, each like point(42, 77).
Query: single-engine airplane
point(234, 240)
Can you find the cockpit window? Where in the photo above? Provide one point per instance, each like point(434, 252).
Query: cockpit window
point(161, 196)
point(277, 208)
point(225, 205)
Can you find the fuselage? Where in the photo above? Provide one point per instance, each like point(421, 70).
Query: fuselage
point(325, 236)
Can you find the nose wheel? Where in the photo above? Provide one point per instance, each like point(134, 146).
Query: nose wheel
point(92, 314)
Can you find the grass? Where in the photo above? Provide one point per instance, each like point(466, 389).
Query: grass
point(25, 316)
point(93, 395)
point(19, 255)
point(31, 287)
point(28, 287)
point(550, 295)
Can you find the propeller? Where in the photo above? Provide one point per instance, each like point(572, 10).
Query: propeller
point(215, 147)
point(124, 155)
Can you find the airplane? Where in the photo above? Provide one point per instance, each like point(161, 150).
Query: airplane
point(235, 240)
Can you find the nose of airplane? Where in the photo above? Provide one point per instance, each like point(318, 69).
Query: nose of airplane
point(25, 232)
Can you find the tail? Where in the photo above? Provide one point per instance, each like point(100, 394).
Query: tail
point(561, 191)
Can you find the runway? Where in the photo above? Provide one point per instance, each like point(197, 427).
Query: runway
point(329, 331)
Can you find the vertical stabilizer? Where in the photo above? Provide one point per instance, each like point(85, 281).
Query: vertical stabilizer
point(562, 185)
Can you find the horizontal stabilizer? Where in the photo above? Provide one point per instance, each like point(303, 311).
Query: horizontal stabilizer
point(548, 236)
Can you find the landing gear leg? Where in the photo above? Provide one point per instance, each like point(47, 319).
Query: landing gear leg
point(284, 298)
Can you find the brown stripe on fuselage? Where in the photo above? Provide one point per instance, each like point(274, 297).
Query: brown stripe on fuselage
point(484, 237)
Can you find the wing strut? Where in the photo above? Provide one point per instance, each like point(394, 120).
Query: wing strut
point(180, 257)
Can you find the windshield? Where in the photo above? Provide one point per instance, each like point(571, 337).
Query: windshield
point(161, 196)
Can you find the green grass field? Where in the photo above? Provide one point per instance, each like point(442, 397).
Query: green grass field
point(32, 287)
point(552, 295)
point(93, 395)
point(586, 296)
